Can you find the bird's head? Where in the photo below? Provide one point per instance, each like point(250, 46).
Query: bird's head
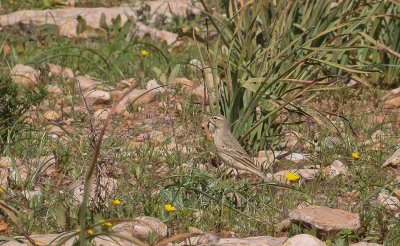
point(217, 120)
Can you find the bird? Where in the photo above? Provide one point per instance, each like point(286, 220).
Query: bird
point(229, 150)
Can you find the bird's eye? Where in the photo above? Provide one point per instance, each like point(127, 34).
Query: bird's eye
point(214, 117)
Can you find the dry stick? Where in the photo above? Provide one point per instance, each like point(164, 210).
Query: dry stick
point(91, 169)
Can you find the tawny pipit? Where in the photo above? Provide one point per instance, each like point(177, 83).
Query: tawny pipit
point(229, 149)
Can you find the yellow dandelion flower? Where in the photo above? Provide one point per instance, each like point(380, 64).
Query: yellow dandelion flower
point(1, 191)
point(106, 223)
point(355, 155)
point(290, 176)
point(144, 53)
point(116, 202)
point(89, 232)
point(169, 208)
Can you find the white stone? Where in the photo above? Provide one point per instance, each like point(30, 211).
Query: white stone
point(394, 160)
point(86, 82)
point(303, 240)
point(142, 227)
point(101, 114)
point(388, 202)
point(154, 86)
point(25, 75)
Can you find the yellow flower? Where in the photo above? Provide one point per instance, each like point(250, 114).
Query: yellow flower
point(169, 208)
point(144, 53)
point(89, 232)
point(290, 176)
point(116, 202)
point(355, 155)
point(106, 223)
point(1, 191)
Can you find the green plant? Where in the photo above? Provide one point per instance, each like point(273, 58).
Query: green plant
point(270, 53)
point(15, 100)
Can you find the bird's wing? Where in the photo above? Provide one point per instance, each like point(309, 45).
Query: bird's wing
point(239, 154)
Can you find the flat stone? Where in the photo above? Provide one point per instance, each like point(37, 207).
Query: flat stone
point(394, 160)
point(54, 239)
point(25, 75)
point(154, 86)
point(252, 241)
point(303, 240)
point(54, 90)
point(336, 168)
point(142, 227)
point(135, 97)
point(326, 219)
point(101, 114)
point(187, 84)
point(86, 82)
point(388, 202)
point(392, 103)
point(365, 244)
point(330, 142)
point(55, 69)
point(51, 115)
point(96, 97)
point(297, 157)
point(127, 83)
point(52, 129)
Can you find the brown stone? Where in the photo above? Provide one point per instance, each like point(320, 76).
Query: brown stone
point(326, 219)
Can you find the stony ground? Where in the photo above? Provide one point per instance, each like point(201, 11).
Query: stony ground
point(335, 183)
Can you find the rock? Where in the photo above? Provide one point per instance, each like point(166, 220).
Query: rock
point(394, 160)
point(101, 114)
point(97, 97)
point(52, 129)
point(187, 85)
point(50, 239)
point(388, 202)
point(326, 219)
point(303, 240)
point(51, 115)
point(86, 82)
point(365, 244)
point(25, 75)
point(6, 162)
point(330, 142)
point(54, 90)
point(154, 86)
point(307, 174)
point(67, 28)
point(136, 97)
point(336, 168)
point(127, 83)
point(252, 241)
point(141, 227)
point(195, 65)
point(55, 69)
point(392, 103)
point(297, 157)
point(284, 225)
point(199, 92)
point(205, 239)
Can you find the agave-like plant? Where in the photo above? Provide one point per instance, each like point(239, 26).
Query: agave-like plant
point(268, 53)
